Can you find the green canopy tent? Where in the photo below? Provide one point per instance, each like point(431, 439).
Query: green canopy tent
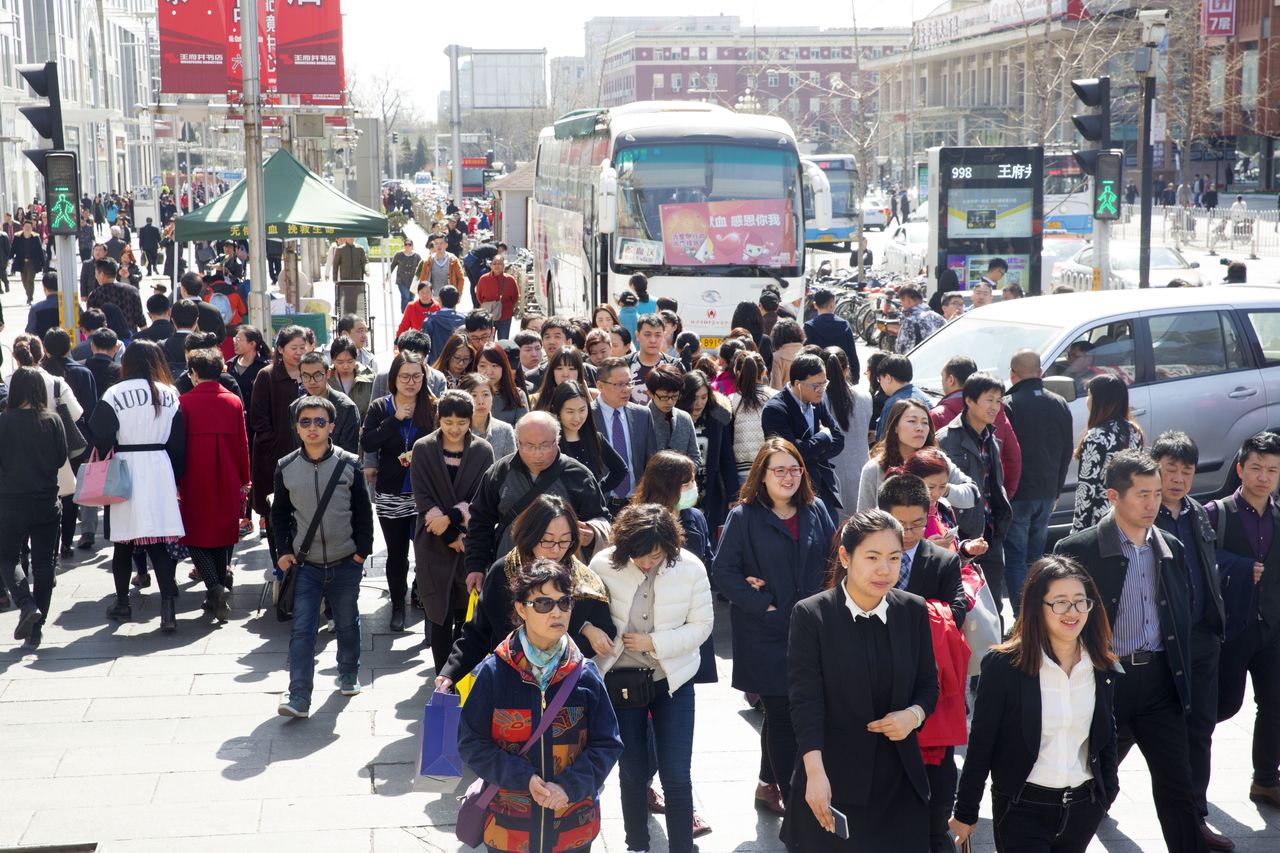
point(299, 203)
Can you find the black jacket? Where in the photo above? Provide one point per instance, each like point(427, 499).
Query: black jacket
point(382, 435)
point(958, 442)
point(175, 352)
point(719, 467)
point(1098, 549)
point(828, 330)
point(25, 248)
point(1008, 705)
point(830, 691)
point(1042, 423)
point(935, 574)
point(1205, 541)
point(105, 370)
point(88, 278)
point(210, 319)
point(149, 240)
point(781, 416)
point(159, 331)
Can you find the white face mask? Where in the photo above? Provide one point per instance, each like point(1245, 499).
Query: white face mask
point(688, 497)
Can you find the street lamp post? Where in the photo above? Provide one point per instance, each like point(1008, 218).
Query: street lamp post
point(1155, 23)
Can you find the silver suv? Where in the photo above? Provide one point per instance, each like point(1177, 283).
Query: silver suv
point(1202, 360)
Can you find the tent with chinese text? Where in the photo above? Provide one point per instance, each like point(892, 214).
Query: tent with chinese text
point(299, 203)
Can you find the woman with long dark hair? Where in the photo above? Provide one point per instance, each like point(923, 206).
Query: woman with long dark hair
point(509, 401)
point(270, 421)
point(457, 359)
point(746, 316)
point(773, 553)
point(252, 355)
point(392, 426)
point(348, 375)
point(1043, 722)
point(58, 364)
point(908, 429)
point(1111, 428)
point(605, 316)
point(579, 437)
point(33, 447)
point(499, 434)
point(563, 366)
point(139, 419)
point(717, 477)
point(850, 405)
point(747, 405)
point(862, 680)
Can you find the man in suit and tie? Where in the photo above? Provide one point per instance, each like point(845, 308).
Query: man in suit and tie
point(149, 241)
point(799, 415)
point(626, 426)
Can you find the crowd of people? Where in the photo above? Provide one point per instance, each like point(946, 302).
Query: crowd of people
point(596, 484)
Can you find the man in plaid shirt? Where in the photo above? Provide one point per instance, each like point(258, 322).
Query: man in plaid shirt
point(111, 292)
point(917, 322)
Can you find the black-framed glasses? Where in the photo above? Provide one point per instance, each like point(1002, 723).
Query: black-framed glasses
point(313, 377)
point(1062, 607)
point(319, 422)
point(543, 604)
point(666, 398)
point(557, 544)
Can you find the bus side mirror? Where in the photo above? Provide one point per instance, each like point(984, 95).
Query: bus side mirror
point(607, 199)
point(820, 190)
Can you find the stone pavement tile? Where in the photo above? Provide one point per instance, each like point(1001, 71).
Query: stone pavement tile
point(267, 724)
point(257, 782)
point(144, 708)
point(354, 751)
point(55, 711)
point(252, 681)
point(131, 789)
point(348, 841)
point(30, 763)
point(415, 839)
point(266, 662)
point(350, 812)
point(122, 733)
point(33, 666)
point(14, 824)
point(110, 823)
point(39, 689)
point(161, 758)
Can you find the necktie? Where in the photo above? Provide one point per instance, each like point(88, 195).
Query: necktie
point(619, 443)
point(905, 574)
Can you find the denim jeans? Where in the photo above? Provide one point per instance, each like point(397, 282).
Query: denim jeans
point(502, 329)
point(405, 296)
point(1024, 544)
point(340, 586)
point(673, 736)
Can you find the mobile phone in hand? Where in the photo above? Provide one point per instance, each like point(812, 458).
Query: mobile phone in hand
point(842, 823)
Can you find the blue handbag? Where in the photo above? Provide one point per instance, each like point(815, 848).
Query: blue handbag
point(439, 765)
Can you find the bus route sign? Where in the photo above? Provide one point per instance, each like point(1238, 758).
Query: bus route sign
point(62, 192)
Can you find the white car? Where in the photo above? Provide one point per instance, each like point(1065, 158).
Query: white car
point(1057, 252)
point(905, 251)
point(1166, 265)
point(873, 213)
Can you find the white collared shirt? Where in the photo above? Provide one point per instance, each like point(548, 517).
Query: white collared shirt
point(881, 610)
point(1066, 714)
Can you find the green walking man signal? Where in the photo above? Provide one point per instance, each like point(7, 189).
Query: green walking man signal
point(1108, 179)
point(62, 192)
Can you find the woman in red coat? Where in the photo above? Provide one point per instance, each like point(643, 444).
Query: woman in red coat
point(216, 481)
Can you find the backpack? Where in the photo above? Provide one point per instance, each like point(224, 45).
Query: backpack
point(223, 303)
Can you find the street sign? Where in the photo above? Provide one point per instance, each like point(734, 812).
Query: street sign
point(1108, 181)
point(62, 192)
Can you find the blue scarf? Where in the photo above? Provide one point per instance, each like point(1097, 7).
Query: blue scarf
point(543, 664)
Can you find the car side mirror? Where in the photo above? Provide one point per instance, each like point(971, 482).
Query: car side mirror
point(1063, 386)
point(1195, 265)
point(607, 199)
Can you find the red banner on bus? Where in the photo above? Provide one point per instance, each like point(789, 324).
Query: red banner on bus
point(309, 47)
point(193, 46)
point(729, 232)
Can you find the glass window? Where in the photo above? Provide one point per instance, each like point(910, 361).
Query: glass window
point(1188, 344)
point(713, 80)
point(677, 82)
point(990, 343)
point(771, 79)
point(1104, 349)
point(1266, 326)
point(659, 80)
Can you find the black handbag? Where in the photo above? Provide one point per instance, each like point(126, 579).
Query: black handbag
point(629, 688)
point(289, 584)
point(76, 444)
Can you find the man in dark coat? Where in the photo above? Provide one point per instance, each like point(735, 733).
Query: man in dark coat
point(192, 287)
point(825, 329)
point(115, 245)
point(149, 240)
point(88, 277)
point(315, 381)
point(44, 315)
point(798, 414)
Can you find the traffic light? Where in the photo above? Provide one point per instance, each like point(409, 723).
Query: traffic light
point(1095, 127)
point(47, 120)
point(62, 192)
point(395, 137)
point(1108, 179)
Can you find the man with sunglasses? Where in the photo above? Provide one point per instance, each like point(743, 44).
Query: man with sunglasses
point(333, 562)
point(799, 415)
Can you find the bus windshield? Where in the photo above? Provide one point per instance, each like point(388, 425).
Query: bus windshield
point(844, 198)
point(684, 205)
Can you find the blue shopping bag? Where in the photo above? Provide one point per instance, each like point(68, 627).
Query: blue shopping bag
point(439, 765)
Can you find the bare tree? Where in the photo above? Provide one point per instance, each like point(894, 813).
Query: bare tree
point(382, 96)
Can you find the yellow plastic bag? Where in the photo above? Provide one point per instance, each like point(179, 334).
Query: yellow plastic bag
point(464, 685)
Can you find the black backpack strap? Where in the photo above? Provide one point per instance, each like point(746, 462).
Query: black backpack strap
point(329, 489)
point(1219, 519)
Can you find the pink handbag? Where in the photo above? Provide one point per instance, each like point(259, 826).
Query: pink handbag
point(102, 482)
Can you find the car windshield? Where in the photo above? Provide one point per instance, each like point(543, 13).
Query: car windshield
point(990, 343)
point(1162, 258)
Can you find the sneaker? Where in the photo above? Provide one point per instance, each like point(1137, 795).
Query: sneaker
point(296, 707)
point(246, 527)
point(329, 626)
point(349, 684)
point(85, 543)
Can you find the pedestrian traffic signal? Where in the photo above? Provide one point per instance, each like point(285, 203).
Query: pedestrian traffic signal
point(1095, 126)
point(62, 191)
point(47, 120)
point(1108, 180)
point(395, 137)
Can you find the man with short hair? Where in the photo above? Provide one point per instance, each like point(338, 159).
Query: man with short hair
point(650, 351)
point(771, 307)
point(479, 329)
point(442, 323)
point(185, 315)
point(414, 340)
point(116, 244)
point(441, 268)
point(88, 278)
point(498, 286)
point(149, 242)
point(1248, 534)
point(894, 375)
point(530, 344)
point(917, 320)
point(997, 268)
point(333, 565)
point(981, 294)
point(192, 287)
point(954, 374)
point(349, 261)
point(1141, 574)
point(799, 415)
point(555, 337)
point(158, 312)
point(46, 313)
point(124, 296)
point(626, 426)
point(354, 327)
point(1182, 516)
point(314, 374)
point(1011, 291)
point(539, 468)
point(1042, 430)
point(825, 329)
point(952, 306)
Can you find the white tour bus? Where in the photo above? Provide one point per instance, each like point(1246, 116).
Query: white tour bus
point(706, 202)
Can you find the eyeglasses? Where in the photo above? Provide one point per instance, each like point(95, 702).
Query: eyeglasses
point(313, 377)
point(411, 378)
point(537, 448)
point(557, 544)
point(1062, 608)
point(319, 423)
point(783, 472)
point(914, 528)
point(816, 387)
point(542, 604)
point(460, 359)
point(624, 384)
point(666, 398)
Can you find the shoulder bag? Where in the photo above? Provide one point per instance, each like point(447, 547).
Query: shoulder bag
point(289, 583)
point(474, 805)
point(76, 444)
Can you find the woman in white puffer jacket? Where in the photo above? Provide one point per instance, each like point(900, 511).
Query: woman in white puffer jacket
point(660, 601)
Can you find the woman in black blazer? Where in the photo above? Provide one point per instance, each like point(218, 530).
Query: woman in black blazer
point(862, 680)
point(1043, 796)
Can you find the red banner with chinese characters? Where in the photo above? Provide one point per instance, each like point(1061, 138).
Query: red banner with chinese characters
point(234, 81)
point(309, 47)
point(193, 46)
point(760, 233)
point(1219, 18)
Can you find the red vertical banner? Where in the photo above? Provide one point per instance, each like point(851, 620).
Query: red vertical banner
point(1219, 18)
point(234, 81)
point(193, 46)
point(307, 37)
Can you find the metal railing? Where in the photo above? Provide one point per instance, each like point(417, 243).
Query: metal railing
point(1221, 230)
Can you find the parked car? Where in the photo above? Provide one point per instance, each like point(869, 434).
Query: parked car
point(1204, 360)
point(905, 250)
point(875, 213)
point(1057, 252)
point(1166, 264)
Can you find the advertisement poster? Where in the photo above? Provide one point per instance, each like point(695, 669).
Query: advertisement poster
point(971, 268)
point(760, 233)
point(309, 47)
point(986, 213)
point(193, 46)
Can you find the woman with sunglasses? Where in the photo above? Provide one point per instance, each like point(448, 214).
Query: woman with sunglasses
point(660, 602)
point(457, 359)
point(1043, 724)
point(773, 553)
point(392, 426)
point(510, 403)
point(554, 808)
point(546, 530)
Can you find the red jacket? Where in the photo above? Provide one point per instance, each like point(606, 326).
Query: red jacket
point(946, 725)
point(217, 466)
point(415, 314)
point(1010, 451)
point(489, 289)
